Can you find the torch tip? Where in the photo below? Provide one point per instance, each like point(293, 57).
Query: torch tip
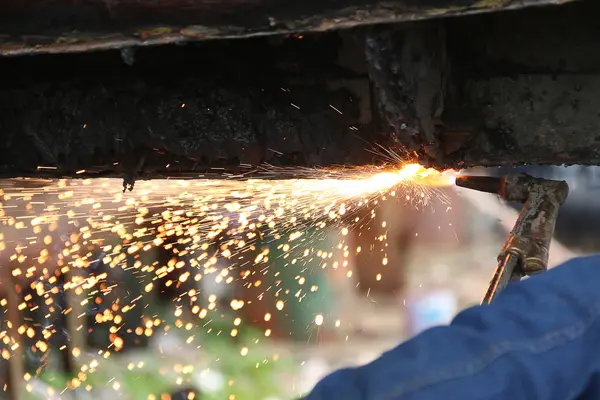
point(486, 184)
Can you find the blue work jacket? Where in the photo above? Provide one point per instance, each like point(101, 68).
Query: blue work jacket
point(540, 340)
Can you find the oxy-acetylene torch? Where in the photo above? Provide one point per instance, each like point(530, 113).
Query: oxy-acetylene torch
point(526, 250)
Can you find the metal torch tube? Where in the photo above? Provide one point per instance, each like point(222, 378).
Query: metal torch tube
point(508, 271)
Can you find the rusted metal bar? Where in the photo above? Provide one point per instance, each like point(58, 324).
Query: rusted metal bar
point(59, 26)
point(494, 89)
point(526, 91)
point(489, 90)
point(185, 112)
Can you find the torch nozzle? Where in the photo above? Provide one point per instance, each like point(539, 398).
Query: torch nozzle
point(486, 184)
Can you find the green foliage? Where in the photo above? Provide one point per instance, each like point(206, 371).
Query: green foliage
point(252, 377)
point(136, 384)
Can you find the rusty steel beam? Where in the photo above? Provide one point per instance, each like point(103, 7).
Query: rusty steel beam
point(492, 90)
point(190, 112)
point(487, 90)
point(528, 90)
point(60, 26)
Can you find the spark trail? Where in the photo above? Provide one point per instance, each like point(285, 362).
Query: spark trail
point(71, 236)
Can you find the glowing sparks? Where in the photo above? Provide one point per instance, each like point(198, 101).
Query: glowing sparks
point(319, 320)
point(73, 236)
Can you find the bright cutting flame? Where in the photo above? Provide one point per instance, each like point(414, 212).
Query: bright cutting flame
point(371, 182)
point(428, 176)
point(84, 228)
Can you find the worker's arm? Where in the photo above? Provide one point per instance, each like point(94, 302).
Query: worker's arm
point(539, 340)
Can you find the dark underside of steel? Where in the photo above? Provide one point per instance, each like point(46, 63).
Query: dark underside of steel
point(220, 107)
point(495, 89)
point(58, 26)
point(501, 88)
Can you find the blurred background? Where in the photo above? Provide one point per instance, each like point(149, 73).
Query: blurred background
point(406, 269)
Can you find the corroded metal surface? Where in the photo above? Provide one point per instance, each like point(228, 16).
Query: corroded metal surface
point(183, 112)
point(493, 90)
point(59, 26)
point(489, 90)
point(407, 67)
point(528, 92)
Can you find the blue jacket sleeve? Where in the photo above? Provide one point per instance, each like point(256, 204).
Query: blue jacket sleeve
point(539, 340)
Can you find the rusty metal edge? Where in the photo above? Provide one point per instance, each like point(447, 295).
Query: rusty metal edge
point(349, 18)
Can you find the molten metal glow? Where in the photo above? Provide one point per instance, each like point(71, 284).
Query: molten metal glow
point(428, 176)
point(368, 181)
point(82, 231)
